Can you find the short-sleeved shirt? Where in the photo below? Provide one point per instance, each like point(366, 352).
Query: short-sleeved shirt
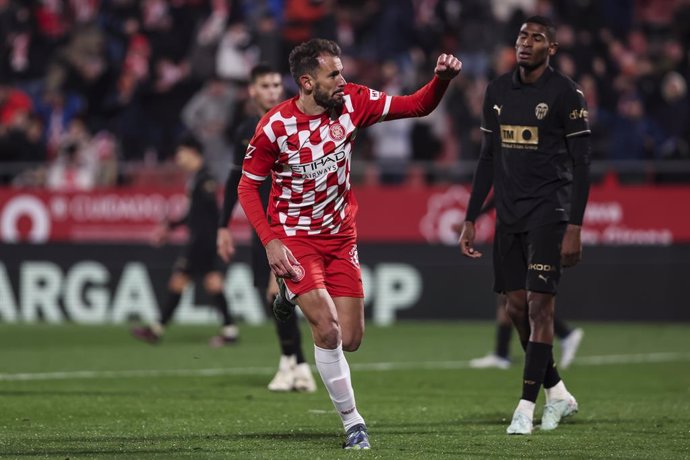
point(529, 124)
point(309, 157)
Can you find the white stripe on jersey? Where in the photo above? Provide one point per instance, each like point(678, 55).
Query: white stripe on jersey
point(254, 176)
point(386, 107)
point(578, 132)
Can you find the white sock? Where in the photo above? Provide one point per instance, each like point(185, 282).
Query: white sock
point(556, 392)
point(526, 407)
point(157, 328)
point(335, 373)
point(230, 331)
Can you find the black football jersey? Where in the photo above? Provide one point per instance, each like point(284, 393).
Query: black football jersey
point(529, 124)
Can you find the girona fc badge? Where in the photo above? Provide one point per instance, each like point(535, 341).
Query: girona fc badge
point(336, 131)
point(354, 256)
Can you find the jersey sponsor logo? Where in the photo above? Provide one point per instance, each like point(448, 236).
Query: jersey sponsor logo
point(250, 151)
point(515, 136)
point(320, 167)
point(541, 110)
point(498, 109)
point(542, 267)
point(374, 95)
point(579, 113)
point(336, 131)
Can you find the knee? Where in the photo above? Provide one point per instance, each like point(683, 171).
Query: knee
point(516, 311)
point(177, 284)
point(328, 335)
point(352, 342)
point(213, 284)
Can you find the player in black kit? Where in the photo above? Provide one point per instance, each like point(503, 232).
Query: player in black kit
point(535, 152)
point(265, 90)
point(198, 257)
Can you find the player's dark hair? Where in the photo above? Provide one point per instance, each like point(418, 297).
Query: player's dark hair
point(304, 57)
point(548, 24)
point(260, 70)
point(190, 141)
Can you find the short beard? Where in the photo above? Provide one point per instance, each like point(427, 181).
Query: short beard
point(328, 103)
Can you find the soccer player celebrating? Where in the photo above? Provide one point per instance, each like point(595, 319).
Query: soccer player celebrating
point(304, 144)
point(265, 90)
point(535, 152)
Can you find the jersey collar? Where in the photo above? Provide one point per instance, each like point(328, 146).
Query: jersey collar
point(537, 84)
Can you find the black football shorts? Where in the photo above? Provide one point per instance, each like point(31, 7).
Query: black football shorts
point(529, 260)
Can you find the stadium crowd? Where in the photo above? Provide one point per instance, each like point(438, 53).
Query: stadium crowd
point(96, 92)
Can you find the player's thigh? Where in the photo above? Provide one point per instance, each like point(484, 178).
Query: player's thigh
point(544, 257)
point(308, 254)
point(510, 262)
point(351, 318)
point(343, 273)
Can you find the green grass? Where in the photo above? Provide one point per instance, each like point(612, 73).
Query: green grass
point(634, 410)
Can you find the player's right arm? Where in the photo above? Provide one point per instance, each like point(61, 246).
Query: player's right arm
point(225, 245)
point(483, 177)
point(258, 162)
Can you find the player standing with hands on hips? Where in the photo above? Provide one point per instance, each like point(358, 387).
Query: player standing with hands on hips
point(304, 145)
point(535, 152)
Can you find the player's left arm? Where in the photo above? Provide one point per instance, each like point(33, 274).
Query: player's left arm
point(580, 148)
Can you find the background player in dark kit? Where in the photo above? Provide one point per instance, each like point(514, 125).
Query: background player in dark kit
point(535, 153)
point(265, 91)
point(198, 259)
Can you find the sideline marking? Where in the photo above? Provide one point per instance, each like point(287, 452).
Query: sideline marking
point(640, 358)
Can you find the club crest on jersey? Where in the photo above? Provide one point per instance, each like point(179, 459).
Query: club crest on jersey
point(541, 110)
point(336, 131)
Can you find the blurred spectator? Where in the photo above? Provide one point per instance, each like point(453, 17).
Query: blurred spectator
point(208, 115)
point(391, 141)
point(142, 69)
point(56, 111)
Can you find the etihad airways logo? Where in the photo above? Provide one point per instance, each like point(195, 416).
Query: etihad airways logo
point(320, 167)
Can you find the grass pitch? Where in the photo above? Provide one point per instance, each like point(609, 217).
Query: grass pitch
point(83, 392)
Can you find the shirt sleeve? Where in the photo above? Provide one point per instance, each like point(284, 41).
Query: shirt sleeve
point(575, 117)
point(258, 161)
point(490, 113)
point(240, 143)
point(374, 106)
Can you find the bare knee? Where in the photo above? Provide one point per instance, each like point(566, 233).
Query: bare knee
point(516, 307)
point(352, 341)
point(327, 334)
point(178, 281)
point(213, 283)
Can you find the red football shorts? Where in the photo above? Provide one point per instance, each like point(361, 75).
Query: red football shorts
point(330, 262)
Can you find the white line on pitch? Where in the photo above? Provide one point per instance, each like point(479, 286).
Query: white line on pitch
point(669, 357)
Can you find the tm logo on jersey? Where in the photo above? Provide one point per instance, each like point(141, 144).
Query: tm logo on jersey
point(520, 137)
point(320, 167)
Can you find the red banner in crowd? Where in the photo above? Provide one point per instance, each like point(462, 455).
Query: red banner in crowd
point(616, 215)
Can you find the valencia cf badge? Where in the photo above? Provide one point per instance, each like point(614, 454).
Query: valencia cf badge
point(336, 131)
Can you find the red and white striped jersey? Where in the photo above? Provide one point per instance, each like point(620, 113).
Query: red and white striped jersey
point(308, 157)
